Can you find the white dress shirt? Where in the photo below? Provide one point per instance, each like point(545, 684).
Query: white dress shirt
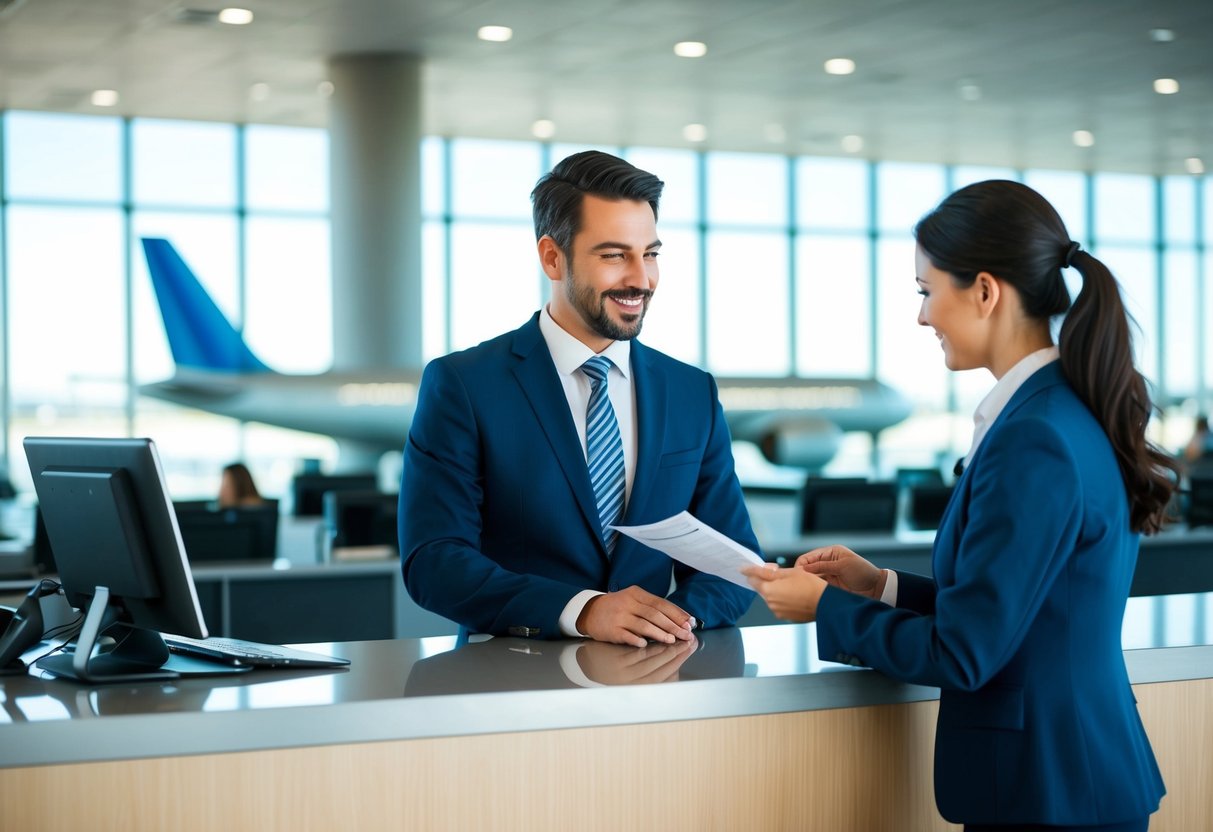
point(568, 354)
point(987, 413)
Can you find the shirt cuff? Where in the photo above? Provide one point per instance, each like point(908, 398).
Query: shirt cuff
point(572, 668)
point(572, 610)
point(889, 596)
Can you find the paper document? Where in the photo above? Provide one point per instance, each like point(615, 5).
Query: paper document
point(687, 539)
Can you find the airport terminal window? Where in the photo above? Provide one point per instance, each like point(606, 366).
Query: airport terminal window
point(183, 163)
point(286, 169)
point(493, 178)
point(672, 324)
point(1181, 316)
point(495, 279)
point(434, 237)
point(1067, 191)
point(833, 194)
point(908, 357)
point(904, 192)
point(1136, 269)
point(679, 169)
point(747, 189)
point(1179, 210)
point(1124, 208)
point(833, 303)
point(962, 175)
point(433, 177)
point(747, 303)
point(62, 157)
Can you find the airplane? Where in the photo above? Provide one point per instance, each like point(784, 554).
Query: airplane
point(794, 421)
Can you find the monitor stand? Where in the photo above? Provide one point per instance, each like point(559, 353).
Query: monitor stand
point(138, 655)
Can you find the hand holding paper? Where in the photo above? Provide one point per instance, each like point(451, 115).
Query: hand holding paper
point(688, 540)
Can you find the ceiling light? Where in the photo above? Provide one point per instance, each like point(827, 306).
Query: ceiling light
point(1162, 35)
point(236, 17)
point(775, 133)
point(840, 66)
point(852, 143)
point(259, 91)
point(969, 90)
point(1084, 138)
point(104, 98)
point(544, 128)
point(496, 34)
point(695, 133)
point(690, 49)
point(1194, 165)
point(324, 89)
point(1166, 86)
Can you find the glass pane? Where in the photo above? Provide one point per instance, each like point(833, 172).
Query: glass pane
point(290, 306)
point(1067, 192)
point(833, 299)
point(67, 319)
point(1179, 209)
point(560, 150)
point(194, 446)
point(494, 282)
point(1124, 208)
point(286, 168)
point(672, 322)
point(968, 174)
point(1207, 210)
point(184, 163)
point(679, 170)
point(905, 193)
point(1135, 269)
point(832, 193)
point(908, 357)
point(747, 189)
point(433, 289)
point(1180, 325)
point(207, 244)
point(53, 156)
point(493, 178)
point(748, 304)
point(433, 176)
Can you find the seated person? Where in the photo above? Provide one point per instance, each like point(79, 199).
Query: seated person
point(237, 489)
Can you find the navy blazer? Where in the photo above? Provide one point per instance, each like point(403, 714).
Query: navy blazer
point(498, 524)
point(1021, 626)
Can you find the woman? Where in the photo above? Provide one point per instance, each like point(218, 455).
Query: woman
point(1020, 626)
point(236, 488)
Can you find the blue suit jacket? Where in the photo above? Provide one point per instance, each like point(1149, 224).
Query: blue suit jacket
point(498, 523)
point(1021, 627)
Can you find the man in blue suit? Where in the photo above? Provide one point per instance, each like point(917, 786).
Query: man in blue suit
point(526, 449)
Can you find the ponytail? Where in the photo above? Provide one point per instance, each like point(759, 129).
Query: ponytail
point(1097, 360)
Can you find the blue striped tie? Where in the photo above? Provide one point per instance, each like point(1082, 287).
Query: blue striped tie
point(604, 450)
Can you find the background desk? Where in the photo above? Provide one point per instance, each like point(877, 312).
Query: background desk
point(757, 733)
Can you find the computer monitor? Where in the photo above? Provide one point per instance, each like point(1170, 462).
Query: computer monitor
point(119, 555)
point(240, 533)
point(841, 506)
point(363, 523)
point(1200, 502)
point(308, 490)
point(925, 505)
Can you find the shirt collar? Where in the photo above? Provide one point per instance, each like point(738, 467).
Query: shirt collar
point(996, 400)
point(568, 354)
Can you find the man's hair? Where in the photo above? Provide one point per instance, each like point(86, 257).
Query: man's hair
point(556, 200)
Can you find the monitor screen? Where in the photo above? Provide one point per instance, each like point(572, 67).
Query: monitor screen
point(118, 552)
point(362, 519)
point(241, 533)
point(839, 505)
point(308, 490)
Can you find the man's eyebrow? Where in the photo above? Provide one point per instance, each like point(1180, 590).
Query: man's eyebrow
point(612, 244)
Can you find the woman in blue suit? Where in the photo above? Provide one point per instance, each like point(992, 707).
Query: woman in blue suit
point(1020, 626)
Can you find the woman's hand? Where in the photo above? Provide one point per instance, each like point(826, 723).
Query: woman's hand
point(792, 594)
point(841, 567)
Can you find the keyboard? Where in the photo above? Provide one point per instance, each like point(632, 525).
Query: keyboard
point(253, 653)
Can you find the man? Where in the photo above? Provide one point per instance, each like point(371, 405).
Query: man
point(520, 459)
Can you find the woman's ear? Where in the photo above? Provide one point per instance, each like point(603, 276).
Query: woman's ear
point(988, 292)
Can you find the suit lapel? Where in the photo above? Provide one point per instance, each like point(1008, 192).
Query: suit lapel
point(651, 402)
point(536, 375)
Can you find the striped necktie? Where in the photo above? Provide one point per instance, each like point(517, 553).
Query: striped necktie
point(604, 450)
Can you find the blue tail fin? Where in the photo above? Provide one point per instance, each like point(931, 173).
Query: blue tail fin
point(198, 334)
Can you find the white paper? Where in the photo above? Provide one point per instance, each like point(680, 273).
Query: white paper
point(687, 539)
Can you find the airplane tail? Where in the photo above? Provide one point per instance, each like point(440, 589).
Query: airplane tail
point(199, 335)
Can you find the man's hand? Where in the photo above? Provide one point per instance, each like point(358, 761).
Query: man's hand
point(841, 567)
point(634, 616)
point(618, 664)
point(792, 594)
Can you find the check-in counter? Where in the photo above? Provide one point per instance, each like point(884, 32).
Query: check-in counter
point(749, 729)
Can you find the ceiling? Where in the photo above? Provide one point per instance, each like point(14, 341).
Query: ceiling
point(604, 71)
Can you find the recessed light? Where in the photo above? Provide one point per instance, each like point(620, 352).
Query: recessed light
point(236, 17)
point(695, 133)
point(495, 34)
point(259, 91)
point(852, 143)
point(840, 66)
point(324, 89)
point(544, 128)
point(775, 133)
point(1194, 165)
point(690, 49)
point(1084, 138)
point(1166, 86)
point(1162, 35)
point(104, 98)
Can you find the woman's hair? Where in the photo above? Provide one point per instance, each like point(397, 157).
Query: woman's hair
point(1012, 232)
point(237, 486)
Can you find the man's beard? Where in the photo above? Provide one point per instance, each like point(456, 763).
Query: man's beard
point(592, 308)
